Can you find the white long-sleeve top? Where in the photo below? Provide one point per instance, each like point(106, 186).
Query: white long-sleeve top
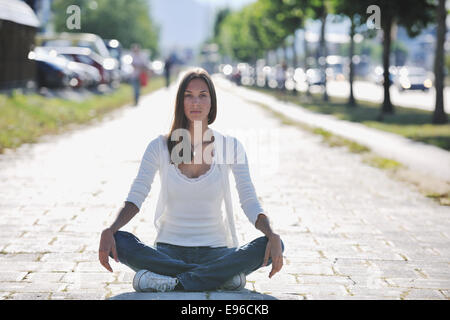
point(228, 154)
point(194, 216)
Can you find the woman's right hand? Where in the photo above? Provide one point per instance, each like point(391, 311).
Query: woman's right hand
point(107, 245)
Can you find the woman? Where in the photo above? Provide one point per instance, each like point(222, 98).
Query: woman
point(195, 248)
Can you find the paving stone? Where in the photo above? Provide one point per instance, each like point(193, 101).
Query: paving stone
point(93, 266)
point(30, 296)
point(11, 276)
point(44, 276)
point(375, 292)
point(5, 295)
point(309, 269)
point(67, 256)
point(424, 294)
point(82, 280)
point(56, 266)
point(31, 287)
point(302, 279)
point(79, 295)
point(443, 284)
point(446, 293)
point(7, 266)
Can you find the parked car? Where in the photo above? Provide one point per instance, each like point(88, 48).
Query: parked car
point(299, 75)
point(336, 68)
point(413, 78)
point(378, 77)
point(100, 53)
point(106, 67)
point(52, 73)
point(90, 75)
point(75, 39)
point(85, 75)
point(315, 77)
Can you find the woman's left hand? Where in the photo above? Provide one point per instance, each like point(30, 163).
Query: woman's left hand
point(275, 252)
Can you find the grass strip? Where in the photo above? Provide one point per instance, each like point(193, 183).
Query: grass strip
point(24, 118)
point(428, 186)
point(411, 123)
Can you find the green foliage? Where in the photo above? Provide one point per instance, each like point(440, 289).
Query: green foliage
point(447, 63)
point(220, 16)
point(263, 25)
point(125, 20)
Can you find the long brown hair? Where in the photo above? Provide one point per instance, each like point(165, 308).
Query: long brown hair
point(180, 120)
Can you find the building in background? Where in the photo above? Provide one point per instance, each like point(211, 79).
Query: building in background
point(18, 27)
point(42, 9)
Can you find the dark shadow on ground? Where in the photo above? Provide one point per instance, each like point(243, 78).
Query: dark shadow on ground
point(244, 294)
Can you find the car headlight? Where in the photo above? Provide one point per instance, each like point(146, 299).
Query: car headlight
point(109, 64)
point(406, 85)
point(427, 83)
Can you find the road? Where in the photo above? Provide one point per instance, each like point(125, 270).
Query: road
point(369, 91)
point(350, 231)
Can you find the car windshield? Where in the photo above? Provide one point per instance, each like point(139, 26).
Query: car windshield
point(416, 72)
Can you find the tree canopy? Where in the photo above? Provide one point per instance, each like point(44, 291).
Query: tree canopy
point(125, 20)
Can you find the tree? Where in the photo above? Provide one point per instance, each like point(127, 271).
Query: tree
point(439, 115)
point(289, 16)
point(248, 33)
point(354, 11)
point(413, 15)
point(318, 10)
point(220, 17)
point(125, 20)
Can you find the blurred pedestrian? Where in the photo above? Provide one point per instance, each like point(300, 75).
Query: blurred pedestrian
point(196, 248)
point(167, 66)
point(281, 79)
point(140, 71)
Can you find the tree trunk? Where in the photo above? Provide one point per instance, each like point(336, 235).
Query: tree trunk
point(323, 51)
point(266, 78)
point(351, 100)
point(294, 60)
point(305, 61)
point(387, 27)
point(305, 49)
point(439, 115)
point(294, 52)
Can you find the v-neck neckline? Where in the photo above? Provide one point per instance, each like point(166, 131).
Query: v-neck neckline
point(195, 179)
point(211, 166)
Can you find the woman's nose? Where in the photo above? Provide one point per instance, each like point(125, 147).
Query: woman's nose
point(196, 100)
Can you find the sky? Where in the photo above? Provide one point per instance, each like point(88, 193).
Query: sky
point(235, 4)
point(187, 23)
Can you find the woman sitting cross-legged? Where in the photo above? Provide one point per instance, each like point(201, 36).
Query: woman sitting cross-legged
point(196, 247)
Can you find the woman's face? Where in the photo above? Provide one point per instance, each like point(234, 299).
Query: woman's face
point(197, 101)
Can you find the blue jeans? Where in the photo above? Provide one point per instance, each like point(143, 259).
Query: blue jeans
point(196, 268)
point(136, 83)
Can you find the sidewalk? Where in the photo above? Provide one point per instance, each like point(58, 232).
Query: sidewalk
point(425, 158)
point(350, 231)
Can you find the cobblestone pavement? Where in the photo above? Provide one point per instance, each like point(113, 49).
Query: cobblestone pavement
point(350, 231)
